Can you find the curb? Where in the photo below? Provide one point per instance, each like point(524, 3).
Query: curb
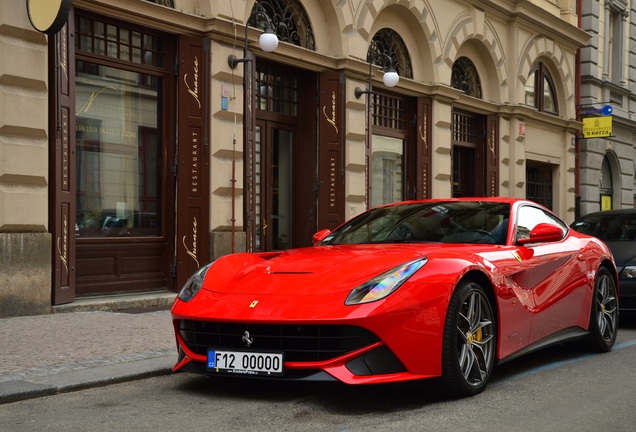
point(64, 382)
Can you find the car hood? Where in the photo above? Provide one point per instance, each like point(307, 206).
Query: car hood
point(316, 270)
point(624, 252)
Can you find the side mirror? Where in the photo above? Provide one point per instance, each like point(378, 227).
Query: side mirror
point(543, 232)
point(320, 236)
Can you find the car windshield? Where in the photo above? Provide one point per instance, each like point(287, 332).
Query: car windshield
point(443, 222)
point(608, 227)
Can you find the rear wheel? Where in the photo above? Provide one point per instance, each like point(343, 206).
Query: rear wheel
point(468, 352)
point(603, 314)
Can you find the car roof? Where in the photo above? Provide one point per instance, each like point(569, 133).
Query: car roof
point(604, 213)
point(508, 200)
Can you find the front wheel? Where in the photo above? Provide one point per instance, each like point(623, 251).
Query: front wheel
point(603, 313)
point(468, 351)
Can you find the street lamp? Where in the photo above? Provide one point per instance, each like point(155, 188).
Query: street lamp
point(268, 41)
point(390, 78)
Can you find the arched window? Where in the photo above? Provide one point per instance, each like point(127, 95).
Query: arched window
point(540, 90)
point(387, 42)
point(289, 21)
point(464, 77)
point(168, 3)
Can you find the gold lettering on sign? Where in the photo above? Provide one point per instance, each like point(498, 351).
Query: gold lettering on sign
point(425, 182)
point(422, 131)
point(89, 102)
point(192, 252)
point(90, 129)
point(63, 57)
point(331, 120)
point(194, 165)
point(65, 151)
point(194, 90)
point(332, 182)
point(62, 249)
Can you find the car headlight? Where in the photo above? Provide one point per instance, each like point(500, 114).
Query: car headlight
point(629, 272)
point(382, 285)
point(194, 284)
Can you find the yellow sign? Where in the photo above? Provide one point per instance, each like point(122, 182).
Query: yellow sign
point(606, 202)
point(597, 127)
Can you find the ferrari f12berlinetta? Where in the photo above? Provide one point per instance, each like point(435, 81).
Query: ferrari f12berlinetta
point(442, 289)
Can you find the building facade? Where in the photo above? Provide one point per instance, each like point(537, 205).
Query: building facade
point(146, 138)
point(608, 80)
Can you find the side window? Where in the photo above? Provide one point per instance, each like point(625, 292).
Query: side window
point(529, 217)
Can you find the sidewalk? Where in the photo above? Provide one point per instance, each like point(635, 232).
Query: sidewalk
point(89, 343)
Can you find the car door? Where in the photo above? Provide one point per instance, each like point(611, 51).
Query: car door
point(553, 275)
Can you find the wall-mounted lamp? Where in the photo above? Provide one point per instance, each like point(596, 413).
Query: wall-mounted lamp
point(390, 78)
point(268, 41)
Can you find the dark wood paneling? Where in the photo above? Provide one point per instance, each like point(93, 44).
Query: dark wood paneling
point(424, 148)
point(331, 131)
point(109, 267)
point(193, 168)
point(492, 156)
point(62, 169)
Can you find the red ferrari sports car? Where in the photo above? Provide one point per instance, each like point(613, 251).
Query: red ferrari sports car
point(441, 289)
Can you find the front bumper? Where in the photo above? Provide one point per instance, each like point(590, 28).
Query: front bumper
point(371, 364)
point(398, 339)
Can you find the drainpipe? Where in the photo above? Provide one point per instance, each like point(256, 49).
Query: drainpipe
point(577, 140)
point(233, 180)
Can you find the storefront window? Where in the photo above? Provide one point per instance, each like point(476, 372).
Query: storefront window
point(386, 161)
point(118, 157)
point(388, 149)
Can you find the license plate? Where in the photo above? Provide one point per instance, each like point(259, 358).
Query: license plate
point(245, 362)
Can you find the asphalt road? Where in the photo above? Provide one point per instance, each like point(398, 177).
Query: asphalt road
point(558, 389)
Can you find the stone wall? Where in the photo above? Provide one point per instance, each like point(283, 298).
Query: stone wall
point(25, 272)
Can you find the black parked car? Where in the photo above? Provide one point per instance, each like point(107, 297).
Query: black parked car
point(617, 228)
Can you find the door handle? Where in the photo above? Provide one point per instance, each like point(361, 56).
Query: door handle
point(264, 226)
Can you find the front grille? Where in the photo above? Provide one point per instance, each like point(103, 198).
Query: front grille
point(298, 342)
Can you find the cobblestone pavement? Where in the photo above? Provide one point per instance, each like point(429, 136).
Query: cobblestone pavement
point(36, 347)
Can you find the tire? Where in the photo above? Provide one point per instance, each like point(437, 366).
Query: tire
point(470, 342)
point(603, 314)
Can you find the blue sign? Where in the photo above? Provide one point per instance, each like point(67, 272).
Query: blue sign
point(607, 110)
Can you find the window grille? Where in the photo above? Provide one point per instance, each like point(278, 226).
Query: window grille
point(388, 42)
point(465, 128)
point(289, 20)
point(168, 3)
point(104, 38)
point(276, 90)
point(539, 185)
point(388, 112)
point(464, 77)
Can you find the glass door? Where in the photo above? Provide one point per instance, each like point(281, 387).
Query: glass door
point(274, 143)
point(387, 170)
point(463, 171)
